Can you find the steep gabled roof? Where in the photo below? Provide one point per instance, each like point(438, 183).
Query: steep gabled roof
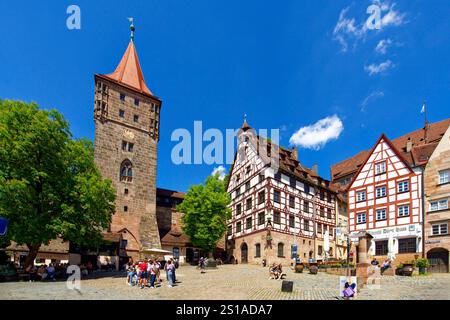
point(129, 72)
point(419, 154)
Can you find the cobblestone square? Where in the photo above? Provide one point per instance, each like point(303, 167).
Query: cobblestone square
point(231, 282)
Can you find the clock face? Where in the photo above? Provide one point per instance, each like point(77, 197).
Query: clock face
point(128, 134)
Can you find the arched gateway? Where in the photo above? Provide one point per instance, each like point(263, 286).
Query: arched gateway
point(438, 258)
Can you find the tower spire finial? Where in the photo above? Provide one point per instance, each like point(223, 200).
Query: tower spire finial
point(132, 28)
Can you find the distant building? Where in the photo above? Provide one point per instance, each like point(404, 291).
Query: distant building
point(386, 190)
point(437, 210)
point(274, 210)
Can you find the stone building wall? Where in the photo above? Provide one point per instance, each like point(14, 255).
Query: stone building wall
point(136, 200)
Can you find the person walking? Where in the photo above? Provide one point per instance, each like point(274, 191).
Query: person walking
point(170, 271)
point(153, 273)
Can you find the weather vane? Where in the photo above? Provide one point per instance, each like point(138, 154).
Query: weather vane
point(132, 28)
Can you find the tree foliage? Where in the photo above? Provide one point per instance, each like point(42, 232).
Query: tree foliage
point(206, 211)
point(49, 184)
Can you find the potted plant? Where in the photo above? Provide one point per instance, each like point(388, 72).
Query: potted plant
point(422, 264)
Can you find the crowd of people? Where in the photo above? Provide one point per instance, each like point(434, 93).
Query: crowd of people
point(147, 273)
point(47, 272)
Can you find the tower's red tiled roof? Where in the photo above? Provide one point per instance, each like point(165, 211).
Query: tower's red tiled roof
point(418, 155)
point(129, 72)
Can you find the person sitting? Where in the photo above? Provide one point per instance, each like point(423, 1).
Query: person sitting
point(273, 271)
point(51, 272)
point(374, 262)
point(280, 272)
point(386, 265)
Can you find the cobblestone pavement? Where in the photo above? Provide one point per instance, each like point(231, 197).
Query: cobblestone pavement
point(230, 282)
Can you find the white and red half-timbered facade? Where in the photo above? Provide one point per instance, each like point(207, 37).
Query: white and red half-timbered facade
point(385, 199)
point(276, 207)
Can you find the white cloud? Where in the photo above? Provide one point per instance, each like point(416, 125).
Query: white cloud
point(347, 29)
point(315, 136)
point(370, 98)
point(383, 45)
point(221, 171)
point(373, 69)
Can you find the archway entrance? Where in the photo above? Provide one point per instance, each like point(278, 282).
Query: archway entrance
point(244, 253)
point(438, 259)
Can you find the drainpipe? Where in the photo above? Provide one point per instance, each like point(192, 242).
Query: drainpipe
point(423, 212)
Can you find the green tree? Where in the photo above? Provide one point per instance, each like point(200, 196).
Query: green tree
point(49, 184)
point(206, 211)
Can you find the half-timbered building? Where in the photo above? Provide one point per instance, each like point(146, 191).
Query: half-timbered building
point(278, 212)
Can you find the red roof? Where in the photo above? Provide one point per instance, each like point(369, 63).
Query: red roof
point(421, 149)
point(129, 72)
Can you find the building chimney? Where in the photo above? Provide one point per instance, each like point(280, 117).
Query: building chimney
point(294, 153)
point(409, 145)
point(315, 169)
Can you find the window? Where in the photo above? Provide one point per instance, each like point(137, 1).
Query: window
point(403, 211)
point(248, 204)
point(328, 197)
point(276, 196)
point(307, 189)
point(381, 192)
point(130, 147)
point(247, 185)
point(280, 250)
point(238, 178)
point(248, 223)
point(322, 212)
point(122, 97)
point(125, 209)
point(291, 221)
point(320, 250)
point(238, 191)
point(248, 169)
point(361, 218)
point(444, 176)
point(306, 206)
point(126, 171)
point(403, 186)
point(261, 177)
point(261, 197)
point(276, 217)
point(380, 167)
point(381, 248)
point(278, 176)
point(292, 182)
point(319, 228)
point(439, 205)
point(257, 250)
point(121, 113)
point(238, 226)
point(136, 102)
point(291, 201)
point(439, 229)
point(322, 195)
point(381, 214)
point(306, 225)
point(125, 191)
point(360, 196)
point(261, 218)
point(230, 230)
point(176, 252)
point(329, 213)
point(136, 118)
point(238, 209)
point(407, 245)
point(127, 146)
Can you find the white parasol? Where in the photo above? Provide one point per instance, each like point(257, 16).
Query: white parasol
point(155, 251)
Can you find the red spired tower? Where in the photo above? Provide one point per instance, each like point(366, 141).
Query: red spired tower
point(126, 115)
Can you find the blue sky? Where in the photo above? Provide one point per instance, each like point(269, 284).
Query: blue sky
point(286, 65)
